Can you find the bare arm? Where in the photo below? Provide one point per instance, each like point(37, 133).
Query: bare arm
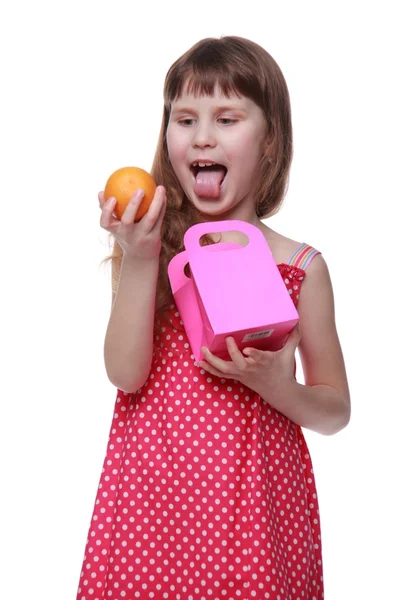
point(128, 344)
point(323, 403)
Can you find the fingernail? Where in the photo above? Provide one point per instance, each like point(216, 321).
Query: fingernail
point(110, 200)
point(139, 194)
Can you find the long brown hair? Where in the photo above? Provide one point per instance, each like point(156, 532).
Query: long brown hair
point(238, 66)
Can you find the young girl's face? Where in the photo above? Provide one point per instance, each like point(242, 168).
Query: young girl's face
point(215, 144)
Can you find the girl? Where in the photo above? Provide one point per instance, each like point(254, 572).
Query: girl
point(207, 490)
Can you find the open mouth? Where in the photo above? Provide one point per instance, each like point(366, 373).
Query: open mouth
point(196, 167)
point(209, 177)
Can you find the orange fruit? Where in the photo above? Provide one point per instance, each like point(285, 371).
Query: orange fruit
point(123, 183)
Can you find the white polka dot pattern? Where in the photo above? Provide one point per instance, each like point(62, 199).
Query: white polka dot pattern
point(207, 492)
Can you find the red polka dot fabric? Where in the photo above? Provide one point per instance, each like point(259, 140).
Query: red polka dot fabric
point(207, 492)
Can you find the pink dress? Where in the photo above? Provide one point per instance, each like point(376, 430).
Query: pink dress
point(207, 492)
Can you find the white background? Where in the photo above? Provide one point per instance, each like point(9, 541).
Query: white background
point(81, 96)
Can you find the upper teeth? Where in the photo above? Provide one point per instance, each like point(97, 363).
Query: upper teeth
point(203, 164)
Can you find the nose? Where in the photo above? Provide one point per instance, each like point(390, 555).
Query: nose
point(204, 136)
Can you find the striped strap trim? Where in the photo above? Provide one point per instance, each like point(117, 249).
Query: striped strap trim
point(303, 256)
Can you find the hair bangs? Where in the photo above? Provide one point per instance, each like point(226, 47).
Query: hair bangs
point(199, 72)
point(201, 82)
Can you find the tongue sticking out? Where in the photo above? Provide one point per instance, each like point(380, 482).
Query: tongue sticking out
point(208, 182)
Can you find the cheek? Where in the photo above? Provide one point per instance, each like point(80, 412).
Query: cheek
point(249, 150)
point(175, 147)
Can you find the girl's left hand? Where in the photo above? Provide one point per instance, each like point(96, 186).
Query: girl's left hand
point(264, 372)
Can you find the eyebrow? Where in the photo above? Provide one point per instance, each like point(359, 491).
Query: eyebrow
point(221, 108)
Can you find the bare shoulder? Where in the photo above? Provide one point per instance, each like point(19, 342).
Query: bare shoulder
point(281, 246)
point(317, 288)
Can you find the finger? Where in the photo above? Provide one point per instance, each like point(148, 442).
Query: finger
point(237, 357)
point(154, 216)
point(255, 354)
point(221, 365)
point(160, 220)
point(295, 335)
point(129, 214)
point(107, 220)
point(293, 340)
point(100, 196)
point(209, 369)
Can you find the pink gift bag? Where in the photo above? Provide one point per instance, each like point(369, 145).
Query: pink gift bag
point(233, 290)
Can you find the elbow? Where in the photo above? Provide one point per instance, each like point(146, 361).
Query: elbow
point(127, 374)
point(340, 420)
point(345, 412)
point(128, 385)
point(336, 426)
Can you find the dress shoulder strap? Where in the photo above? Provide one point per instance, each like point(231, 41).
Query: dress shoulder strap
point(303, 256)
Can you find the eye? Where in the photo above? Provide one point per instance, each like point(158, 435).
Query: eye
point(227, 121)
point(186, 122)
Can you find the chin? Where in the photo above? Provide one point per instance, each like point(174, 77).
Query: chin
point(210, 211)
point(219, 210)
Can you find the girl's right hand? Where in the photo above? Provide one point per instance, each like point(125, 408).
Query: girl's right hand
point(138, 240)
